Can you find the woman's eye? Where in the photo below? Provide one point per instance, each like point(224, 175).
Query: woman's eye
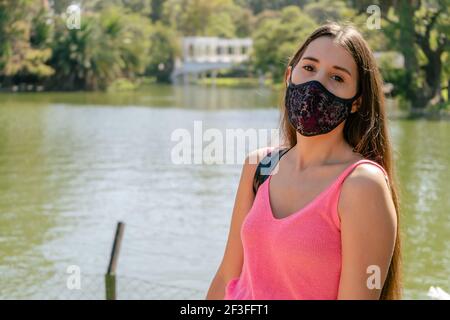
point(308, 68)
point(337, 78)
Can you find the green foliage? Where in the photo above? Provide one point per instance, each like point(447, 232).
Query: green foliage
point(122, 84)
point(420, 32)
point(220, 18)
point(163, 51)
point(107, 46)
point(329, 10)
point(258, 6)
point(23, 33)
point(277, 37)
point(142, 7)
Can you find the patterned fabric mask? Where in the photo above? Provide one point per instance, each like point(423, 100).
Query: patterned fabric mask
point(314, 110)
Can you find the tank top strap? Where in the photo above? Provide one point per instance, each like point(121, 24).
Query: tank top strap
point(267, 165)
point(336, 187)
point(357, 163)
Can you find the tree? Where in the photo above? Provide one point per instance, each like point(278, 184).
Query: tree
point(276, 38)
point(109, 44)
point(157, 6)
point(203, 17)
point(258, 6)
point(24, 33)
point(143, 7)
point(419, 29)
point(164, 49)
point(325, 10)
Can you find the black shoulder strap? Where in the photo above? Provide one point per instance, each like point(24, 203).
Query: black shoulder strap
point(266, 166)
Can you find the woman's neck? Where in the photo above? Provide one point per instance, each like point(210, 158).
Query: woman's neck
point(319, 150)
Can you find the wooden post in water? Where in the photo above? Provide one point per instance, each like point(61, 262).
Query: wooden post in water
point(110, 276)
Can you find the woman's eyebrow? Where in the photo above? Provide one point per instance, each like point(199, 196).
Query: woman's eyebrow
point(335, 67)
point(343, 69)
point(311, 58)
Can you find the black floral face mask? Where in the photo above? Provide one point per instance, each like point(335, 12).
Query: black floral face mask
point(314, 110)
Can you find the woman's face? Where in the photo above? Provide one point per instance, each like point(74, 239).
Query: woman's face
point(330, 64)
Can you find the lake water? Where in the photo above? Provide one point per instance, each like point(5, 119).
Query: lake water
point(73, 164)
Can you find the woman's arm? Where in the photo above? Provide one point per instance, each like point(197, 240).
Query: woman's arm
point(368, 231)
point(231, 264)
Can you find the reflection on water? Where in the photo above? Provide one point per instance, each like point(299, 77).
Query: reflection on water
point(423, 158)
point(185, 97)
point(71, 165)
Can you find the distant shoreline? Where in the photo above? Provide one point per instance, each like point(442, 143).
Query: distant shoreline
point(430, 113)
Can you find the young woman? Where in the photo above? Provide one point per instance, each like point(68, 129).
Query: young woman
point(325, 226)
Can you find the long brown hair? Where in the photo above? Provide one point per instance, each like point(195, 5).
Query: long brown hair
point(365, 130)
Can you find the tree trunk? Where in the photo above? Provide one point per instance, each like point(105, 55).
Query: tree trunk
point(406, 45)
point(430, 92)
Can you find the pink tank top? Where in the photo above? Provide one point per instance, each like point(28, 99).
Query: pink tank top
point(293, 258)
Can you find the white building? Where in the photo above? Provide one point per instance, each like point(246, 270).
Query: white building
point(209, 54)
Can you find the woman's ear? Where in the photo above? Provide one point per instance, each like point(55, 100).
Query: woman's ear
point(288, 74)
point(356, 105)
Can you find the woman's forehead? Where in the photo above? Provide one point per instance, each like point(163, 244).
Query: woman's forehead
point(331, 53)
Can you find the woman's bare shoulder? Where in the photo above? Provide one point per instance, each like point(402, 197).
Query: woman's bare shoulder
point(255, 156)
point(251, 163)
point(364, 188)
point(366, 175)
